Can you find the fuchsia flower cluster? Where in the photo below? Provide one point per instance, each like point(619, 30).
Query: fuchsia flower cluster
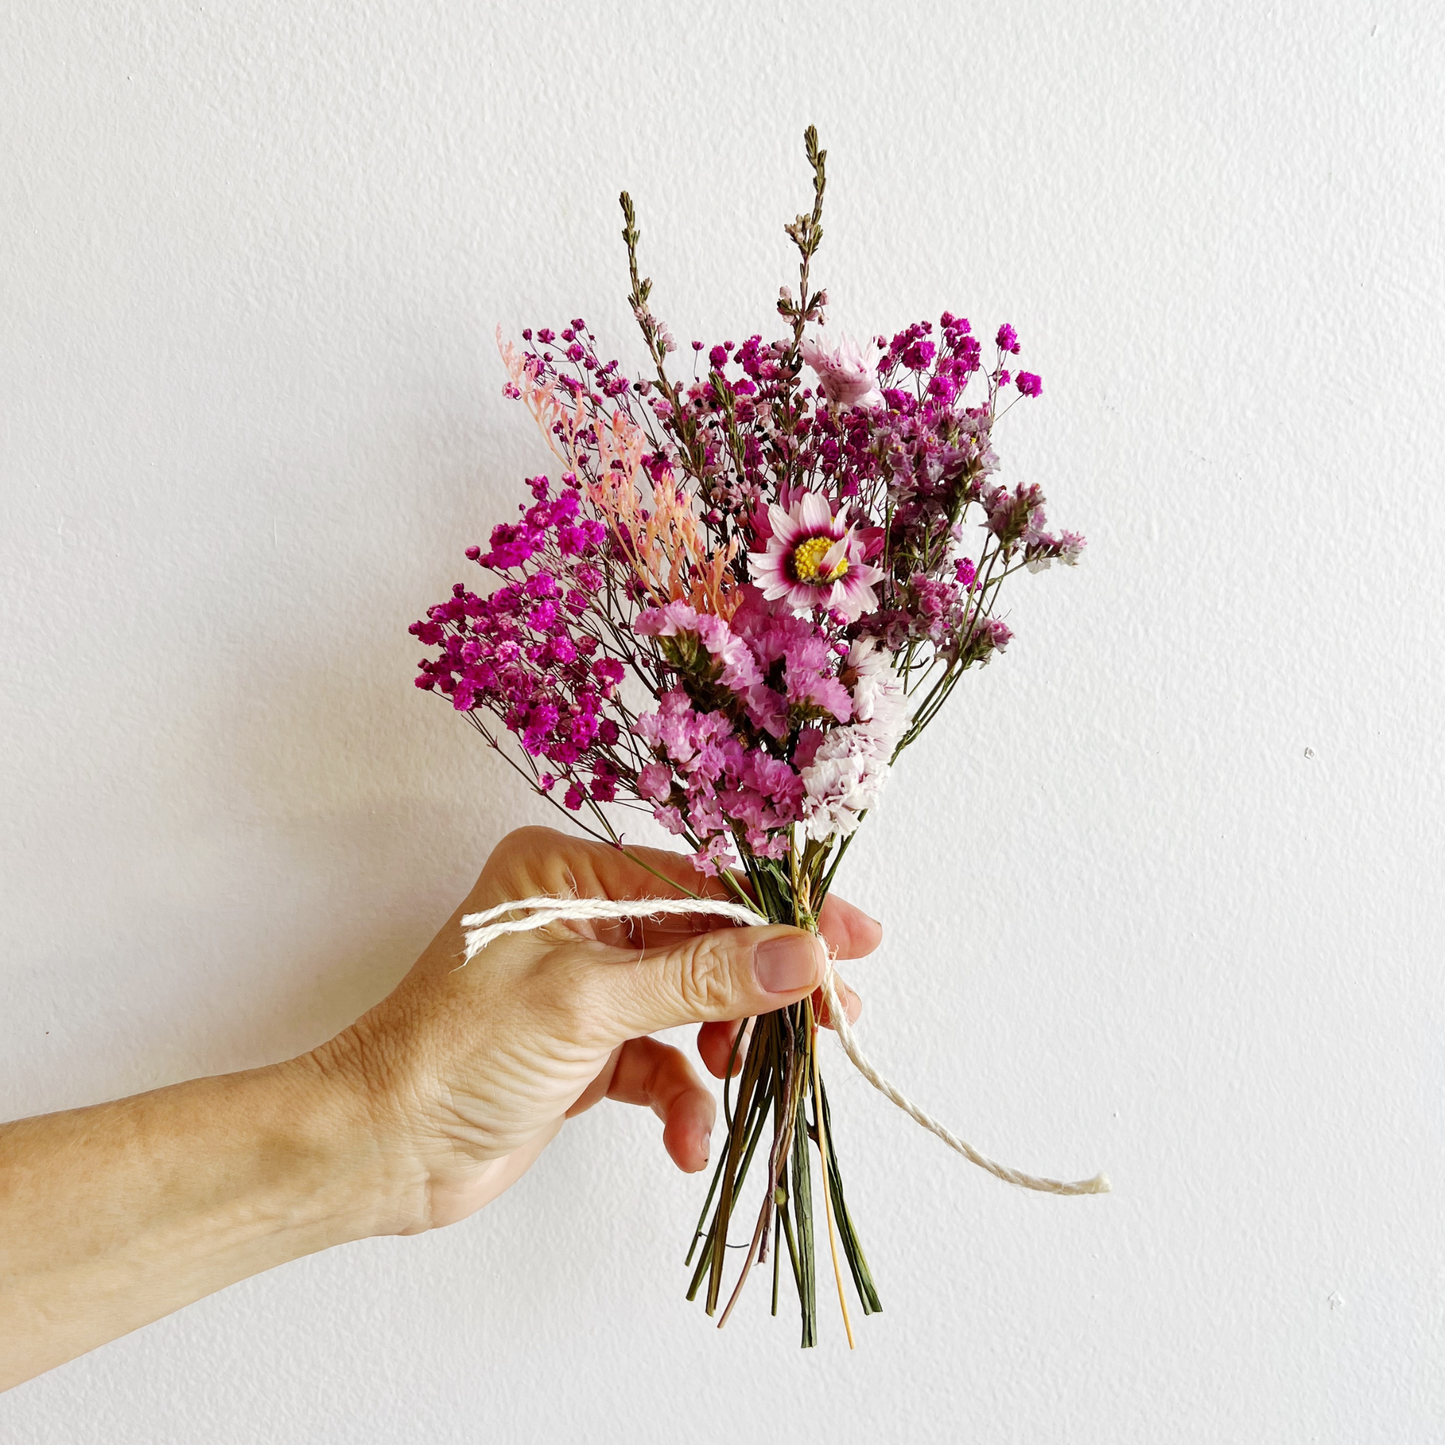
point(746, 593)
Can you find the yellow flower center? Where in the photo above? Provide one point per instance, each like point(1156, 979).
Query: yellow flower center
point(808, 557)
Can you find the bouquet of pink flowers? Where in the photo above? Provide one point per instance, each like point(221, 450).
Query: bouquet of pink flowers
point(744, 595)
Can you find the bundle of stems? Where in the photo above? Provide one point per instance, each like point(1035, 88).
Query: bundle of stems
point(781, 1084)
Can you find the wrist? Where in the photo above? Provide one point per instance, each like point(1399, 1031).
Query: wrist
point(345, 1095)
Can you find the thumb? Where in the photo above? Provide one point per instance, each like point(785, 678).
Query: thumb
point(730, 973)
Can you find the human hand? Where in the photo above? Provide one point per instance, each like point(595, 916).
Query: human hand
point(467, 1073)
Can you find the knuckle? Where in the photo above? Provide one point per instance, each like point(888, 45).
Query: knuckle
point(530, 836)
point(705, 976)
point(512, 854)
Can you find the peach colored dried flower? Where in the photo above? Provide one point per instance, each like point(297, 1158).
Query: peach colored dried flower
point(653, 521)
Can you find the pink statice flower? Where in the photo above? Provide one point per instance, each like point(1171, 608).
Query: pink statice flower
point(1044, 548)
point(847, 374)
point(810, 671)
point(671, 818)
point(714, 854)
point(728, 789)
point(738, 670)
point(991, 636)
point(813, 560)
point(654, 782)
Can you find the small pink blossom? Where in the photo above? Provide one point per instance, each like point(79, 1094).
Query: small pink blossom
point(1071, 548)
point(654, 782)
point(846, 374)
point(666, 621)
point(739, 670)
point(997, 635)
point(670, 818)
point(714, 853)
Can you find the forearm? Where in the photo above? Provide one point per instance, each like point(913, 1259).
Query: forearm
point(420, 1113)
point(113, 1216)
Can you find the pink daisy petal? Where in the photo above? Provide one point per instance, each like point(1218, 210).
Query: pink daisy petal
point(838, 552)
point(815, 514)
point(786, 529)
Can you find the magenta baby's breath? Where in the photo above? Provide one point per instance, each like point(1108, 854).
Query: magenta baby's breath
point(737, 601)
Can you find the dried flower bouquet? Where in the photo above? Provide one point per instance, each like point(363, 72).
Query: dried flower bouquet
point(744, 596)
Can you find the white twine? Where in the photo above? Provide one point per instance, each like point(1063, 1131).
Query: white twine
point(484, 928)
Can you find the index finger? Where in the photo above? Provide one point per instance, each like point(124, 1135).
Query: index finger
point(846, 929)
point(543, 860)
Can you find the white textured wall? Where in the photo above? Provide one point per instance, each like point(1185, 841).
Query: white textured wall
point(1161, 891)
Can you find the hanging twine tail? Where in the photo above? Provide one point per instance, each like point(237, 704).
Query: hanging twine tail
point(483, 928)
point(838, 1017)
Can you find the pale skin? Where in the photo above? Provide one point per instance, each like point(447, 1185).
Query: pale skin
point(418, 1114)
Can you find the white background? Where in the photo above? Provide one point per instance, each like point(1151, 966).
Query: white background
point(1160, 890)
